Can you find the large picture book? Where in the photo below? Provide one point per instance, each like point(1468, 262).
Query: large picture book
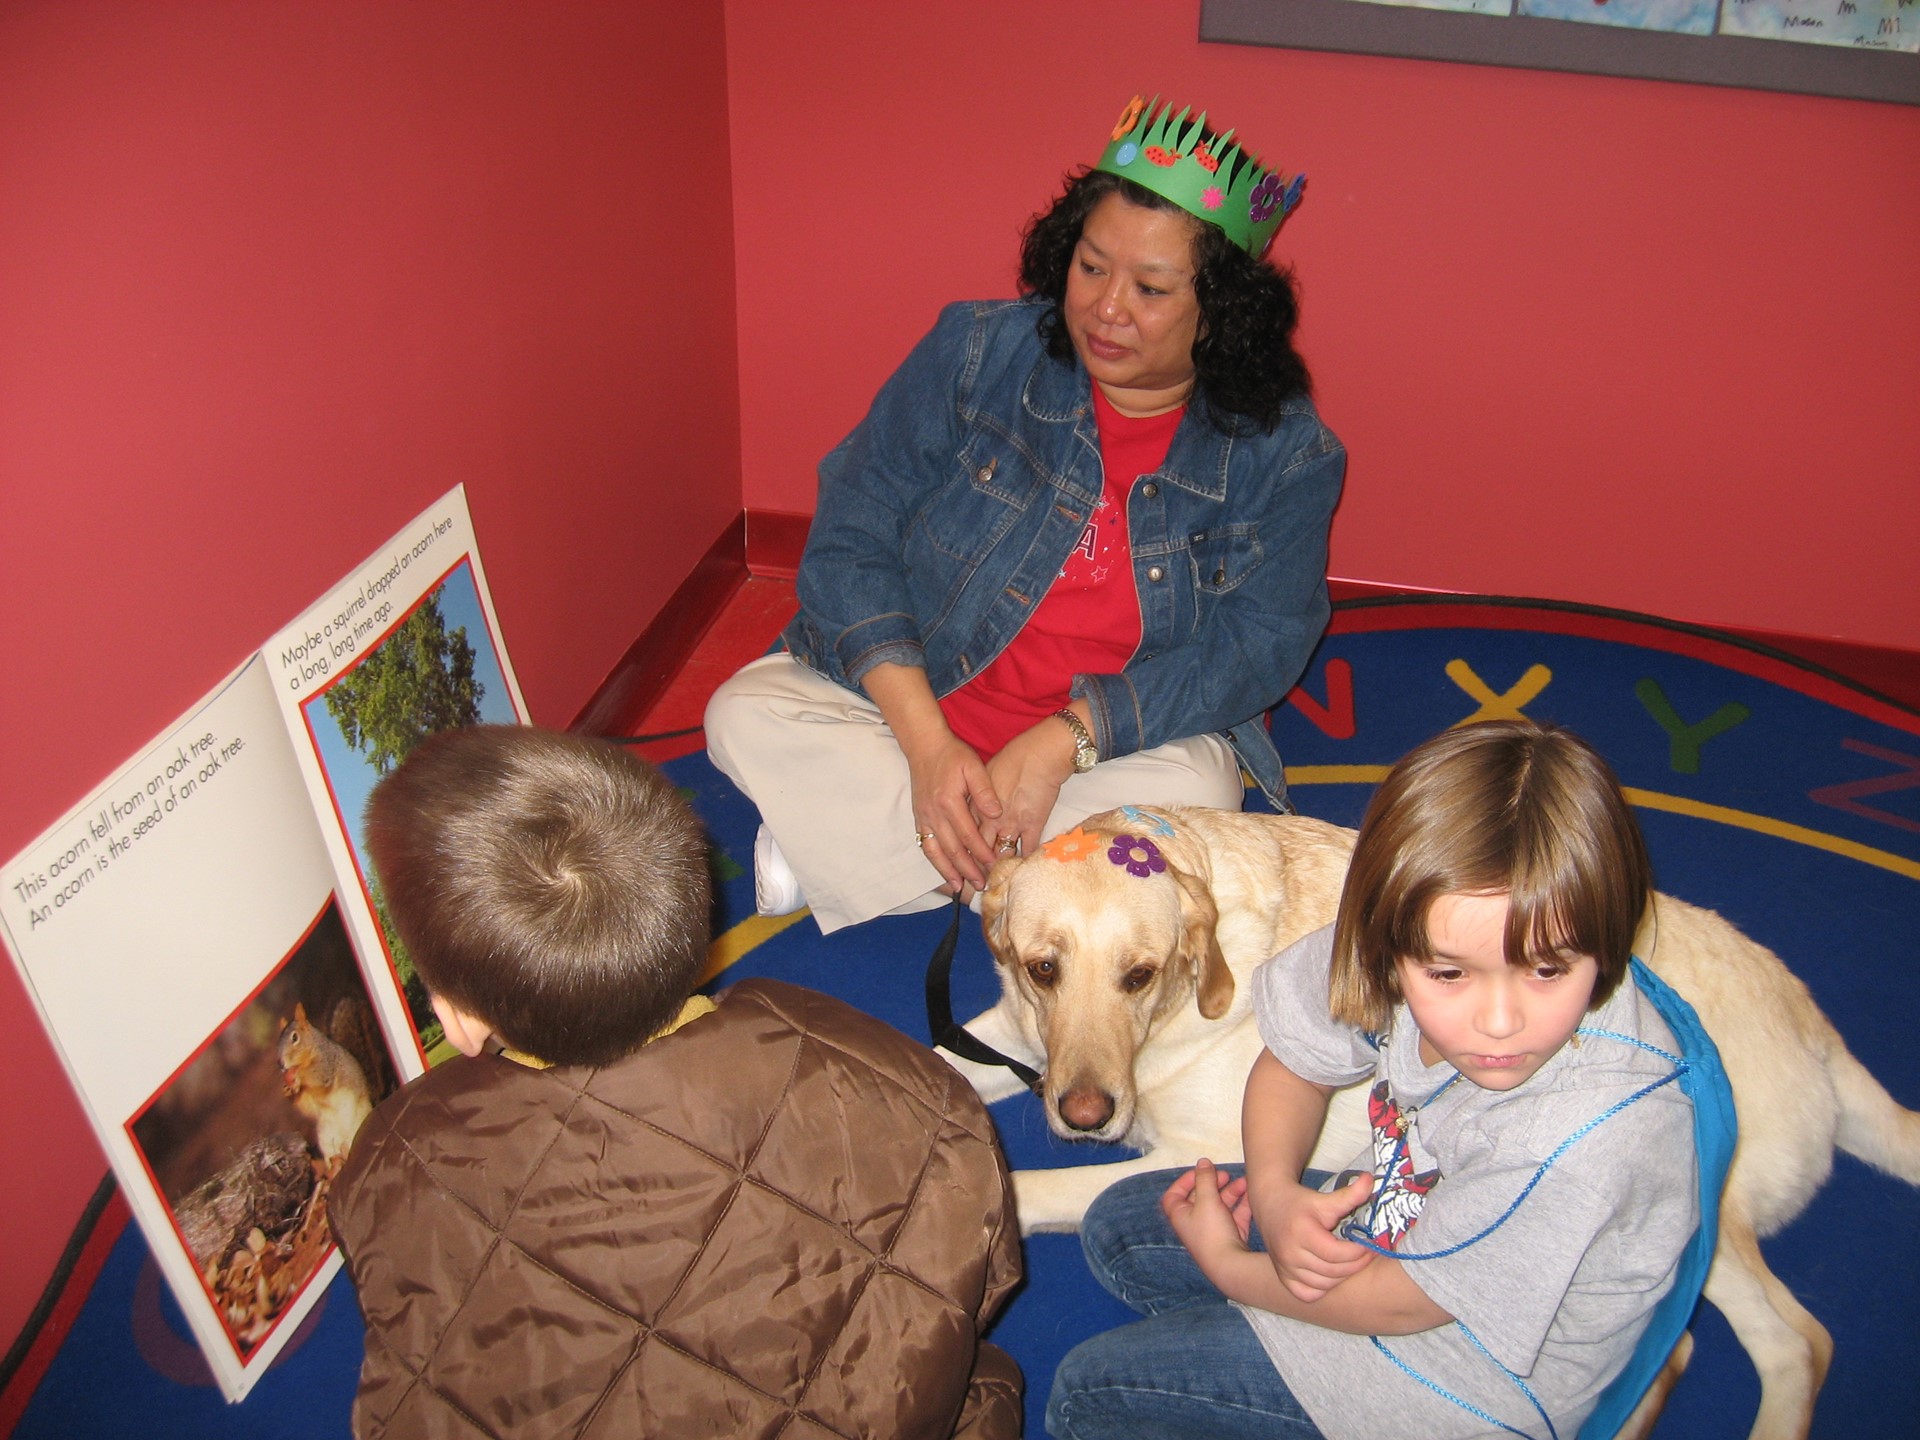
point(204, 941)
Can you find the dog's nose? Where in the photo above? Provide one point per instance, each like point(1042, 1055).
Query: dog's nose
point(1085, 1108)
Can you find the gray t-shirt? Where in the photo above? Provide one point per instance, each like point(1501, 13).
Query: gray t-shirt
point(1560, 1291)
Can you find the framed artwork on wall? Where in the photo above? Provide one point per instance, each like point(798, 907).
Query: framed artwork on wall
point(1852, 49)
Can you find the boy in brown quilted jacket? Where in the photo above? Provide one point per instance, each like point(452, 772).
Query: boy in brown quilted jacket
point(624, 1209)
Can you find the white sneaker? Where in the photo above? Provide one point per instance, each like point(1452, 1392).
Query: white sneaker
point(776, 889)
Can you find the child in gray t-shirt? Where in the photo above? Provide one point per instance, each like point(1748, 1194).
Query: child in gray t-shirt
point(1490, 1265)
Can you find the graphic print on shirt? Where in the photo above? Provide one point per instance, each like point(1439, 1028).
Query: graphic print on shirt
point(1398, 1193)
point(1084, 563)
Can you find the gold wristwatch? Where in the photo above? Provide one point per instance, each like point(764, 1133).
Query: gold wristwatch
point(1085, 754)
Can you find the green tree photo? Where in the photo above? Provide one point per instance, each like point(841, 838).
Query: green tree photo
point(419, 1008)
point(419, 681)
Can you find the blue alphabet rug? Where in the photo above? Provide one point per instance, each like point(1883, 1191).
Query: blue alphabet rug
point(1778, 794)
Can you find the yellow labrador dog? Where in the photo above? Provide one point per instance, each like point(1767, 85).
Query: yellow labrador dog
point(1129, 991)
point(1124, 981)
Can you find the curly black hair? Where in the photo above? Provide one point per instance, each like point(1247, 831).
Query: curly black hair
point(1245, 366)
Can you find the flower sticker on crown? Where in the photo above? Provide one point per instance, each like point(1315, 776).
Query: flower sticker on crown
point(1068, 845)
point(1138, 854)
point(1129, 117)
point(1211, 197)
point(1142, 820)
point(1265, 197)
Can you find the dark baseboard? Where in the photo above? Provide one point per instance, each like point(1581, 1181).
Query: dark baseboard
point(1892, 673)
point(33, 1350)
point(775, 539)
point(634, 685)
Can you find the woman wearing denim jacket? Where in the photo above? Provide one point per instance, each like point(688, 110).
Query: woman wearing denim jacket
point(1074, 552)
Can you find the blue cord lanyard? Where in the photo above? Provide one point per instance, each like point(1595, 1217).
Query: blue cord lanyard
point(1361, 1233)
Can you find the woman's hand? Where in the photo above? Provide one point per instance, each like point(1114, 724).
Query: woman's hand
point(1298, 1226)
point(950, 789)
point(953, 797)
point(1027, 776)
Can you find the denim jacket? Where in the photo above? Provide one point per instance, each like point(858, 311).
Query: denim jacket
point(946, 514)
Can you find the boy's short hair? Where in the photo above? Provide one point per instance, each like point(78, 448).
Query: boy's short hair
point(551, 885)
point(1502, 806)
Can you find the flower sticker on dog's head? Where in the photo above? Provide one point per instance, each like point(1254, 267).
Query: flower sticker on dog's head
point(1140, 855)
point(1144, 821)
point(1074, 844)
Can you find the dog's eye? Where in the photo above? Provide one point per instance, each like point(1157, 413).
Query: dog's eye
point(1137, 978)
point(1043, 973)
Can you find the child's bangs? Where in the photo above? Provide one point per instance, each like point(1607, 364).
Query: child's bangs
point(1553, 914)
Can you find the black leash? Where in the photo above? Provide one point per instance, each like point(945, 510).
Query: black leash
point(940, 1021)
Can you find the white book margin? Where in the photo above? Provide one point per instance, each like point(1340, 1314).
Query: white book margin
point(136, 944)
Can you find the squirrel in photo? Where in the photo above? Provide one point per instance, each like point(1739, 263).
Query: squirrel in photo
point(351, 1023)
point(325, 1083)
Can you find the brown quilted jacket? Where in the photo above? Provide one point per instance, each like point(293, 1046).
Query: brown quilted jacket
point(783, 1219)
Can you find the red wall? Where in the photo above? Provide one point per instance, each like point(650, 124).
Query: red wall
point(1638, 344)
point(274, 276)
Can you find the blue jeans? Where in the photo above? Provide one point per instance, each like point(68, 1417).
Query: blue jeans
point(1192, 1367)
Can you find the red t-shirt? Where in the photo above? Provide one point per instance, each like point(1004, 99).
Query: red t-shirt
point(1088, 622)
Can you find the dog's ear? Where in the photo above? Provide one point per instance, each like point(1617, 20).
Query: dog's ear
point(993, 906)
point(1200, 947)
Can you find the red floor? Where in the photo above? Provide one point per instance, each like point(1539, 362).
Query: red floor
point(752, 620)
point(756, 613)
point(761, 607)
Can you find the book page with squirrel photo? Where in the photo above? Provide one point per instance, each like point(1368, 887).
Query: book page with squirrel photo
point(201, 939)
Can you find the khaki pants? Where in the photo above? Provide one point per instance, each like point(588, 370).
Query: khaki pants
point(832, 786)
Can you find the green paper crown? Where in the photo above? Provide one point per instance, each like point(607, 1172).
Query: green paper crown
point(1205, 174)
